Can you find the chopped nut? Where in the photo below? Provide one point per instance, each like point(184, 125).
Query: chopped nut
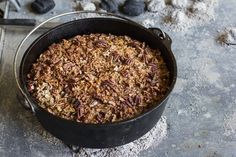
point(137, 99)
point(106, 83)
point(96, 97)
point(116, 56)
point(80, 112)
point(101, 43)
point(126, 61)
point(77, 103)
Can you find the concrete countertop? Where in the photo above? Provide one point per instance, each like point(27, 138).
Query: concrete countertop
point(201, 111)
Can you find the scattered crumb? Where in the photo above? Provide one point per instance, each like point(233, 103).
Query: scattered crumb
point(207, 115)
point(177, 21)
point(156, 5)
point(230, 125)
point(175, 15)
point(88, 6)
point(179, 17)
point(148, 23)
point(199, 7)
point(183, 14)
point(227, 36)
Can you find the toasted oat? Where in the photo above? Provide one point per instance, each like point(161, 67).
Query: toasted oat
point(98, 78)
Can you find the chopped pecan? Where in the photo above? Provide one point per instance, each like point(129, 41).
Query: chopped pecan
point(130, 99)
point(100, 116)
point(96, 97)
point(154, 67)
point(134, 44)
point(137, 99)
point(48, 62)
point(125, 73)
point(110, 84)
point(70, 83)
point(80, 112)
point(145, 58)
point(127, 103)
point(116, 57)
point(101, 43)
point(77, 103)
point(126, 61)
point(107, 83)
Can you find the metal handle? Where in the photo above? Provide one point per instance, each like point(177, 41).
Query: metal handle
point(18, 22)
point(163, 36)
point(14, 24)
point(40, 25)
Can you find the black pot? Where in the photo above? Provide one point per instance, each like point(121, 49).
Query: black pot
point(99, 135)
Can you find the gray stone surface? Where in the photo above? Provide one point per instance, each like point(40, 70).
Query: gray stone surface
point(200, 113)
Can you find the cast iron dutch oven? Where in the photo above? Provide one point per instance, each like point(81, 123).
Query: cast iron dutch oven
point(99, 135)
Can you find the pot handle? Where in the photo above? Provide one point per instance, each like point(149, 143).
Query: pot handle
point(24, 102)
point(162, 35)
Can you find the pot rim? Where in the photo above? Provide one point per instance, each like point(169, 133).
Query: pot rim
point(34, 105)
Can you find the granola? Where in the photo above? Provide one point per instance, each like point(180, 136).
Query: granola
point(98, 78)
